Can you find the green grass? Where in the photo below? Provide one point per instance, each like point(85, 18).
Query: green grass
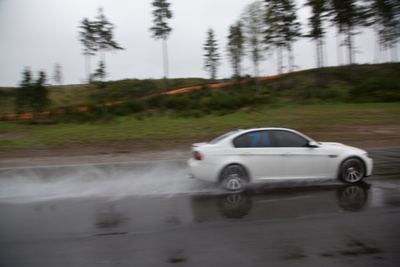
point(164, 131)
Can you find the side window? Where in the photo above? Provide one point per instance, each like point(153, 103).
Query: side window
point(290, 139)
point(253, 139)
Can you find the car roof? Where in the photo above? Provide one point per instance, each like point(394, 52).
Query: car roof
point(239, 131)
point(265, 128)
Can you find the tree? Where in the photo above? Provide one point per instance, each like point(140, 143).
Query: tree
point(236, 48)
point(348, 15)
point(319, 11)
point(386, 17)
point(32, 96)
point(211, 57)
point(88, 40)
point(161, 30)
point(282, 29)
point(100, 73)
point(97, 36)
point(57, 77)
point(104, 30)
point(24, 93)
point(40, 94)
point(253, 21)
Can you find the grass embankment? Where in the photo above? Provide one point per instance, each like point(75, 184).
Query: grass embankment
point(332, 122)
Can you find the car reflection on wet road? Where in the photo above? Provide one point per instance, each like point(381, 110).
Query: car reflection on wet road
point(151, 215)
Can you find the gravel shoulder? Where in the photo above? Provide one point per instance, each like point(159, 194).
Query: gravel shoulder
point(130, 153)
point(365, 137)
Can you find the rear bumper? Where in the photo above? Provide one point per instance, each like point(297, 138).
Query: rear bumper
point(201, 170)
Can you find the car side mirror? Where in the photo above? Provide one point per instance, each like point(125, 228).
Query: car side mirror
point(313, 144)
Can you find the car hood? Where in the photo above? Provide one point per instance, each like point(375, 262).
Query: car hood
point(340, 145)
point(331, 144)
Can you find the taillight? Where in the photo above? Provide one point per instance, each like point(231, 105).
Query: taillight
point(197, 155)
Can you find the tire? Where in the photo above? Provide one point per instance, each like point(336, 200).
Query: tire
point(352, 170)
point(234, 178)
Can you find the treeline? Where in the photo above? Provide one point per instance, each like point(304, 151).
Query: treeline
point(264, 28)
point(272, 27)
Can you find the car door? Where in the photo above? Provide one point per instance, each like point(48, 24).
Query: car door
point(299, 160)
point(258, 153)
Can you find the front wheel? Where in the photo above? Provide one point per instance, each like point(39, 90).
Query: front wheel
point(352, 170)
point(234, 178)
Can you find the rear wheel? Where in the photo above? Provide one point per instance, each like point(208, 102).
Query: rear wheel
point(234, 178)
point(352, 170)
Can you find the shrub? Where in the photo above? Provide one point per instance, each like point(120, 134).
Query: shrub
point(376, 89)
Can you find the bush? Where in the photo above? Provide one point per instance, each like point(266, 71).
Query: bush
point(127, 108)
point(222, 102)
point(157, 101)
point(376, 89)
point(178, 102)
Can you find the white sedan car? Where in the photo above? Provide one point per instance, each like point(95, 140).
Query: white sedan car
point(255, 155)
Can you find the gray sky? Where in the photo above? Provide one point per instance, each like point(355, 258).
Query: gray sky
point(41, 33)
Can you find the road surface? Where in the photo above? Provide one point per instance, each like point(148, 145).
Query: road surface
point(150, 214)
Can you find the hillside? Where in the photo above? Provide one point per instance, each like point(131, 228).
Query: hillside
point(344, 84)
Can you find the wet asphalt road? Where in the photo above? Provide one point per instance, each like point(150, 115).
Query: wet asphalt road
point(150, 214)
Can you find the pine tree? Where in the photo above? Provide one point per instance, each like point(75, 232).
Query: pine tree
point(282, 29)
point(235, 48)
point(24, 93)
point(40, 93)
point(386, 17)
point(161, 30)
point(88, 40)
point(211, 57)
point(105, 36)
point(57, 76)
point(253, 24)
point(32, 96)
point(348, 15)
point(97, 36)
point(317, 32)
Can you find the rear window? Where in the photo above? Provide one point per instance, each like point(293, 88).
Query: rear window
point(221, 137)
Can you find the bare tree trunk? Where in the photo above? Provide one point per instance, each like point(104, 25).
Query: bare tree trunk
point(319, 53)
point(88, 68)
point(290, 58)
point(350, 47)
point(165, 62)
point(280, 67)
point(257, 76)
point(339, 49)
point(393, 54)
point(165, 58)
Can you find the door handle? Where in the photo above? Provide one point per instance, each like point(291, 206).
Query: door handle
point(287, 154)
point(246, 154)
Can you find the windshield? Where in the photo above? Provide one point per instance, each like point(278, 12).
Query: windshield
point(221, 137)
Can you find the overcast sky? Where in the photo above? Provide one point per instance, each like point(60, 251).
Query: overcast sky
point(40, 33)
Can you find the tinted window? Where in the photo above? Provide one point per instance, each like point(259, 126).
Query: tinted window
point(254, 139)
point(290, 139)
